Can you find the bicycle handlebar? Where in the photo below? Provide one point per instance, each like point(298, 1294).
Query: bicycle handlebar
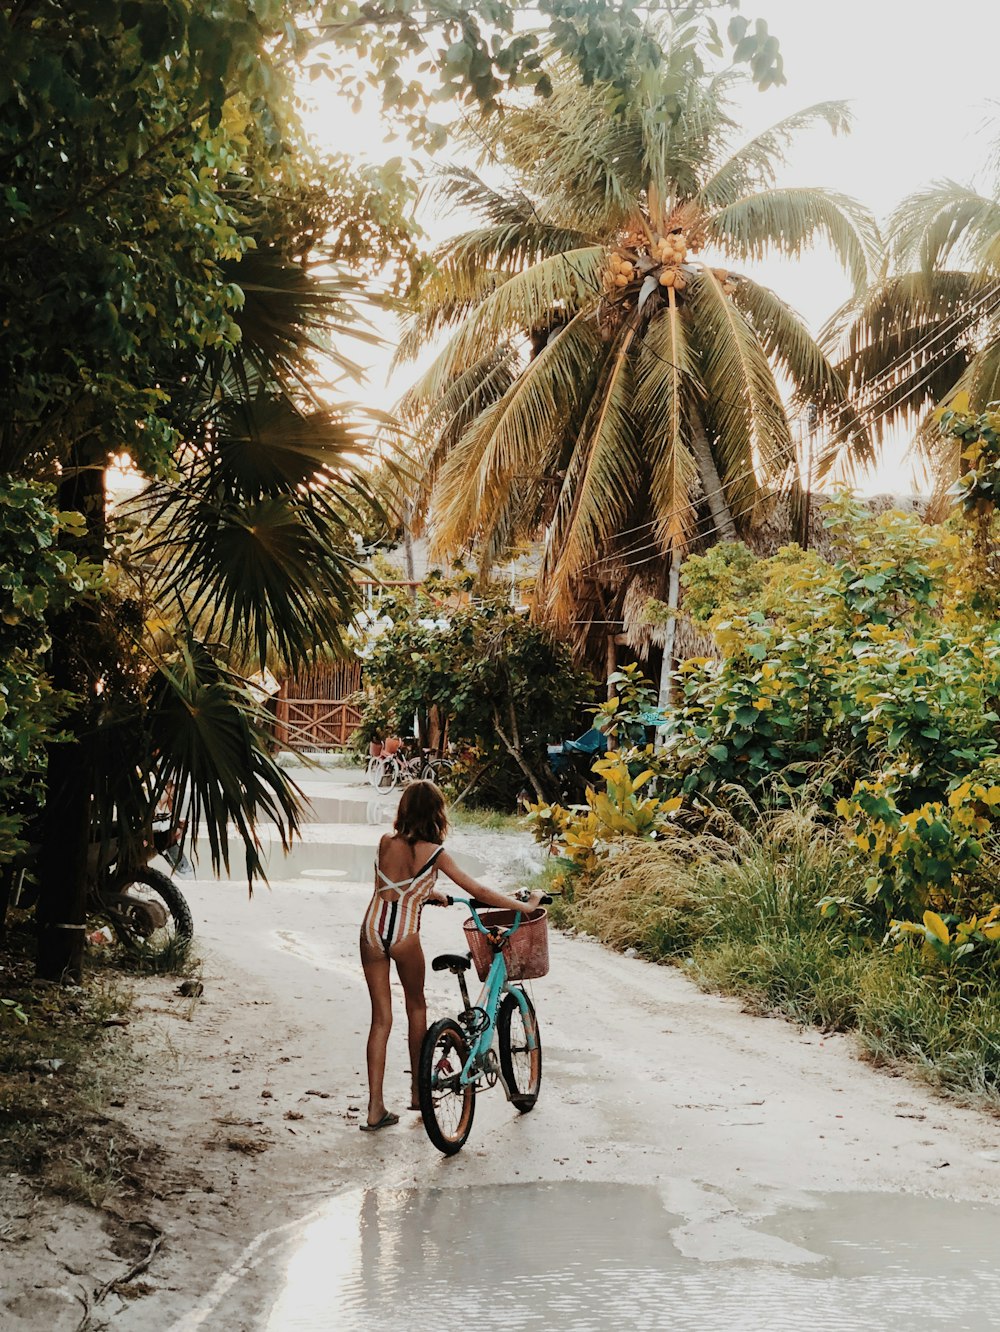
point(475, 907)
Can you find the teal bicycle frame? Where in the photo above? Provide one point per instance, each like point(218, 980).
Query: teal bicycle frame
point(494, 987)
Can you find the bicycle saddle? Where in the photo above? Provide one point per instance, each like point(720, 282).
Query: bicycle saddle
point(455, 962)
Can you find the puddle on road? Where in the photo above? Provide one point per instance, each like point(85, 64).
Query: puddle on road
point(336, 809)
point(323, 864)
point(579, 1257)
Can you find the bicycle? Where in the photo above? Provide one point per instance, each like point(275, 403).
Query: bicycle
point(438, 770)
point(391, 768)
point(458, 1059)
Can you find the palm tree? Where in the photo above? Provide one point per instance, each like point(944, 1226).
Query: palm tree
point(929, 328)
point(601, 384)
point(241, 558)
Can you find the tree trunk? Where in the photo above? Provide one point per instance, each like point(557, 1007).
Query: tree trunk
point(512, 743)
point(411, 572)
point(722, 517)
point(667, 668)
point(66, 819)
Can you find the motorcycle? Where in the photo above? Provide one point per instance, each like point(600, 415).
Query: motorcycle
point(571, 761)
point(144, 908)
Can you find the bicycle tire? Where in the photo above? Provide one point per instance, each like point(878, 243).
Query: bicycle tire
point(180, 926)
point(373, 768)
point(388, 776)
point(521, 1067)
point(447, 1130)
point(429, 773)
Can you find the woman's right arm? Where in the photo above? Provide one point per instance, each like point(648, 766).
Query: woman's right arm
point(479, 892)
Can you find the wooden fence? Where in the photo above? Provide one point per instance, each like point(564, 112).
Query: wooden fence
point(312, 711)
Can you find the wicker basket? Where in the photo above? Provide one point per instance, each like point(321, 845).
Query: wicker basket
point(375, 749)
point(527, 951)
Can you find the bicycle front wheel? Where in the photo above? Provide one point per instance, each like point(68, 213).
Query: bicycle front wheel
point(446, 1106)
point(387, 776)
point(521, 1066)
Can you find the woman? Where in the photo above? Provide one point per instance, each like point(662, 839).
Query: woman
point(406, 868)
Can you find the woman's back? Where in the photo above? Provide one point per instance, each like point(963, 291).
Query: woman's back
point(399, 862)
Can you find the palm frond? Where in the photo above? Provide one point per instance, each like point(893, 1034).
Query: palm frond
point(566, 283)
point(797, 355)
point(946, 224)
point(907, 344)
point(437, 432)
point(754, 166)
point(599, 483)
point(743, 409)
point(667, 389)
point(579, 152)
point(789, 221)
point(471, 266)
point(516, 440)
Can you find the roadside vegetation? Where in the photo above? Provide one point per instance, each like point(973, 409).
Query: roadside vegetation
point(818, 833)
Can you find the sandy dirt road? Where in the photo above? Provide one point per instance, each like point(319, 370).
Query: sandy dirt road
point(652, 1090)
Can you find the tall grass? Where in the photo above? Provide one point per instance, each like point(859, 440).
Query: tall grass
point(740, 906)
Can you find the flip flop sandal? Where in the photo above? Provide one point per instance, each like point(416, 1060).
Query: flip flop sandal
point(387, 1120)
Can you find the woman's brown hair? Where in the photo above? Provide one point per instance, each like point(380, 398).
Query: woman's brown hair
point(421, 816)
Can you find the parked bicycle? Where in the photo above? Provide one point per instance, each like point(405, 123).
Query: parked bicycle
point(496, 1039)
point(390, 766)
point(438, 769)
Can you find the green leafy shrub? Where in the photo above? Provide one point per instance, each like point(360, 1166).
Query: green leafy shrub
point(490, 681)
point(36, 579)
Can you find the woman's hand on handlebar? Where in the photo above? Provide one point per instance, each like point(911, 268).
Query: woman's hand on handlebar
point(530, 901)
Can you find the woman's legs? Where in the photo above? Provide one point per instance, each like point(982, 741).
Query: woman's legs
point(409, 959)
point(376, 969)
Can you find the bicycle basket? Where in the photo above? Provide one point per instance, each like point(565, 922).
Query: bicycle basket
point(527, 951)
point(375, 749)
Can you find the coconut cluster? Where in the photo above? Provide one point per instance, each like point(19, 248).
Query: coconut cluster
point(619, 272)
point(667, 254)
point(671, 251)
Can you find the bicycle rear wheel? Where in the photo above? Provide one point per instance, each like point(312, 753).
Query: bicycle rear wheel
point(446, 1106)
point(521, 1066)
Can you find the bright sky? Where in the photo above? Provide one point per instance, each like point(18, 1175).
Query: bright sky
point(919, 77)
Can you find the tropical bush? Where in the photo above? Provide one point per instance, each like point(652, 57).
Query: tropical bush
point(36, 579)
point(870, 678)
point(488, 679)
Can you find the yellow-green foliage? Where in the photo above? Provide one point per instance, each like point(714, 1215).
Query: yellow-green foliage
point(619, 812)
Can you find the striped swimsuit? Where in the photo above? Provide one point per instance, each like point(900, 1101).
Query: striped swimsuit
point(391, 919)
